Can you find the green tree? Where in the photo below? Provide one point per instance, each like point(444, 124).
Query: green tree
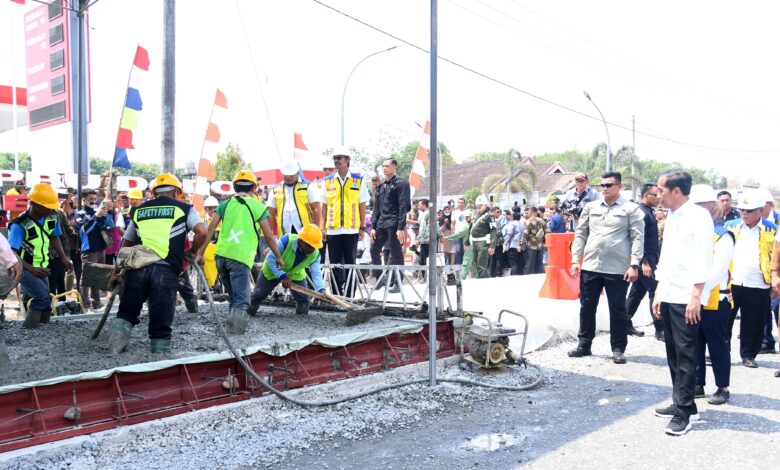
point(406, 155)
point(7, 161)
point(229, 163)
point(471, 195)
point(485, 156)
point(517, 177)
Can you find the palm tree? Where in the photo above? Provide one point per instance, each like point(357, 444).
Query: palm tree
point(517, 178)
point(629, 165)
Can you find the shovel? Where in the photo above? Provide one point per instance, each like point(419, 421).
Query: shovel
point(103, 319)
point(356, 314)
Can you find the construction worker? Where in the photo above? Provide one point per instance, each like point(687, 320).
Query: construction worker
point(293, 203)
point(343, 214)
point(161, 225)
point(483, 236)
point(242, 217)
point(30, 236)
point(299, 252)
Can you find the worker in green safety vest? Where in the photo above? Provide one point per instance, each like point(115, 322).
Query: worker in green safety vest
point(299, 252)
point(242, 217)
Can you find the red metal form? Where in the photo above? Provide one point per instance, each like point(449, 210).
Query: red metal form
point(36, 415)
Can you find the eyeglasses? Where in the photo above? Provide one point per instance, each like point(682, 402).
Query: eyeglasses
point(607, 185)
point(748, 211)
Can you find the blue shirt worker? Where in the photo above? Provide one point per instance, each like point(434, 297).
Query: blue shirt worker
point(90, 222)
point(30, 236)
point(299, 252)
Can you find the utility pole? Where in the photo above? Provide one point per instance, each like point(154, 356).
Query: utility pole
point(169, 87)
point(79, 79)
point(434, 286)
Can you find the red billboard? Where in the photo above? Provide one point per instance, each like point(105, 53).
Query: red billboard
point(47, 39)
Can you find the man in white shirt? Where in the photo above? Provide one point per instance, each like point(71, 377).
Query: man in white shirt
point(459, 224)
point(686, 259)
point(293, 203)
point(344, 199)
point(750, 275)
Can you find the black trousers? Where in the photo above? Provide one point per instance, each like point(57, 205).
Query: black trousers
point(680, 355)
point(341, 250)
point(515, 261)
point(184, 286)
point(752, 303)
point(712, 336)
point(591, 284)
point(643, 285)
point(386, 236)
point(57, 276)
point(496, 263)
point(533, 262)
point(75, 258)
point(157, 282)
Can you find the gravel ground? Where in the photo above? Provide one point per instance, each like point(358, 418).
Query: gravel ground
point(589, 413)
point(64, 347)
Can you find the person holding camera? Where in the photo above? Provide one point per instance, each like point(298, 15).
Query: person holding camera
point(577, 197)
point(92, 221)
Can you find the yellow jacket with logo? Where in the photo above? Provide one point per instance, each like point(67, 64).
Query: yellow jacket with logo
point(301, 201)
point(766, 238)
point(343, 201)
point(714, 298)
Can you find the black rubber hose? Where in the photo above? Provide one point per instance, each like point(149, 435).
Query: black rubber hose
point(308, 404)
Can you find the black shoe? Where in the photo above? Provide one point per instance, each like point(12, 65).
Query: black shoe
point(720, 397)
point(678, 426)
point(634, 332)
point(669, 411)
point(580, 351)
point(394, 289)
point(777, 373)
point(252, 309)
point(767, 349)
point(748, 362)
point(659, 335)
point(698, 392)
point(618, 357)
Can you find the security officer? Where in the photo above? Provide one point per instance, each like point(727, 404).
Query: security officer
point(298, 253)
point(293, 203)
point(242, 217)
point(30, 236)
point(388, 219)
point(160, 224)
point(483, 236)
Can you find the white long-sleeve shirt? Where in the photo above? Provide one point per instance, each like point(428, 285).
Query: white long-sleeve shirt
point(686, 257)
point(7, 256)
point(719, 273)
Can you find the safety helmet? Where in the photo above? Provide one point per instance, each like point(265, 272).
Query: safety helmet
point(44, 195)
point(211, 201)
point(702, 193)
point(343, 150)
point(327, 163)
point(166, 179)
point(245, 175)
point(290, 169)
point(481, 201)
point(312, 235)
point(135, 194)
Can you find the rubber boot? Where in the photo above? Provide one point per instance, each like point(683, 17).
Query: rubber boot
point(160, 345)
point(45, 316)
point(192, 305)
point(252, 309)
point(302, 308)
point(119, 335)
point(237, 321)
point(33, 318)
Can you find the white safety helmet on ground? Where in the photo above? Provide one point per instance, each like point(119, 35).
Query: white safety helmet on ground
point(702, 193)
point(211, 201)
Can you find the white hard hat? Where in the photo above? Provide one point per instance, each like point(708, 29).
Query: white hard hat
point(765, 195)
point(341, 150)
point(702, 193)
point(750, 198)
point(327, 162)
point(211, 201)
point(290, 169)
point(482, 201)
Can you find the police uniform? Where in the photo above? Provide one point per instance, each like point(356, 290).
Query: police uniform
point(160, 224)
point(483, 236)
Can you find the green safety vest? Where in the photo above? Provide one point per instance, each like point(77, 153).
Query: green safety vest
point(162, 226)
point(238, 238)
point(37, 239)
point(298, 272)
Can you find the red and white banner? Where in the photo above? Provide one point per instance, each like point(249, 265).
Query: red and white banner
point(309, 166)
point(420, 160)
point(210, 149)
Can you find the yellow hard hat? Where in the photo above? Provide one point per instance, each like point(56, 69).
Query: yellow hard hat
point(245, 175)
point(312, 235)
point(166, 179)
point(44, 195)
point(135, 194)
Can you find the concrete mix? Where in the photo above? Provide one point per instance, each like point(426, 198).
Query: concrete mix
point(64, 347)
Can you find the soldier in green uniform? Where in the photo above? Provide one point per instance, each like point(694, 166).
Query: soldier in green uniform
point(483, 236)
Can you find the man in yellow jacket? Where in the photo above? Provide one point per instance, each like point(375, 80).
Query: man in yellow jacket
point(294, 203)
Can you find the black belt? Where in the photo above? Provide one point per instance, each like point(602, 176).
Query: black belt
point(725, 291)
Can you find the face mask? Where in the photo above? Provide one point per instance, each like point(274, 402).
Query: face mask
point(93, 205)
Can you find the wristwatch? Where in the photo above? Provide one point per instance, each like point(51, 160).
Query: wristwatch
point(635, 266)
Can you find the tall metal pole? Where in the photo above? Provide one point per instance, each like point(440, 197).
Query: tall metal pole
point(80, 80)
point(344, 93)
point(169, 88)
point(11, 18)
point(606, 127)
point(433, 274)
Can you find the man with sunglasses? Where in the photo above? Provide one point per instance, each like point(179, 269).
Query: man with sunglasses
point(609, 241)
point(343, 214)
point(751, 278)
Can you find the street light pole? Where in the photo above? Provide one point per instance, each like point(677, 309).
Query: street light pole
point(344, 93)
point(609, 146)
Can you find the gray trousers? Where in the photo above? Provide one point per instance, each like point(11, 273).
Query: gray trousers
point(91, 295)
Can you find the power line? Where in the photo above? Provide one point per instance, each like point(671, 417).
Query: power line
point(532, 95)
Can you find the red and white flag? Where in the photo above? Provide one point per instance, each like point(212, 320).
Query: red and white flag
point(420, 160)
point(210, 149)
